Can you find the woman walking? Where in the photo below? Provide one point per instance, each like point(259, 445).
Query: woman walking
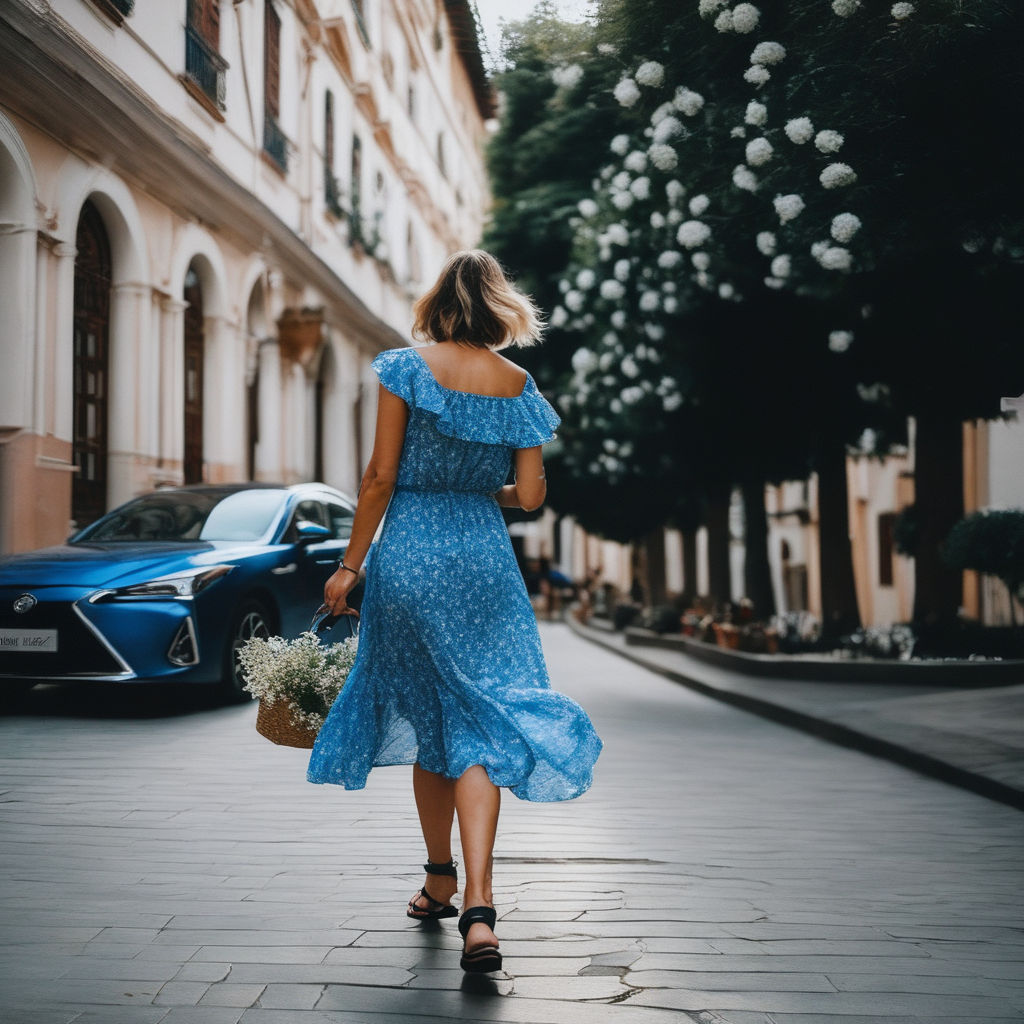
point(450, 676)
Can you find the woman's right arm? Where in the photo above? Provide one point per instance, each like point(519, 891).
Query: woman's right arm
point(530, 488)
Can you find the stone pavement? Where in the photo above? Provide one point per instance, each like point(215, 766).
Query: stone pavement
point(971, 737)
point(166, 865)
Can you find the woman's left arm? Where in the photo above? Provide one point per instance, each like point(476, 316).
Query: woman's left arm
point(374, 494)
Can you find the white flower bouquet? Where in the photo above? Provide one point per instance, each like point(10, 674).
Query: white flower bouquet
point(296, 682)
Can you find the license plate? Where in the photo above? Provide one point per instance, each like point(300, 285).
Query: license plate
point(28, 641)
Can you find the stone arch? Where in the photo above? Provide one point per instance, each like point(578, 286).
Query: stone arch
point(78, 182)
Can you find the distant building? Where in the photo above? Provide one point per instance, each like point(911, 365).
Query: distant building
point(213, 214)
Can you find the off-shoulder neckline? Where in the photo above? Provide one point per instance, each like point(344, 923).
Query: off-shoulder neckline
point(469, 394)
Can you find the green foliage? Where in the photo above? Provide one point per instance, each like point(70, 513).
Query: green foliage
point(734, 365)
point(991, 543)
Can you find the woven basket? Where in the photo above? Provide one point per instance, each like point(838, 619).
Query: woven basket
point(274, 721)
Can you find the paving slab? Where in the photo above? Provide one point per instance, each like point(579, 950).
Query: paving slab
point(173, 867)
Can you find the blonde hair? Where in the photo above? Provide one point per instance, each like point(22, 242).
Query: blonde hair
point(475, 303)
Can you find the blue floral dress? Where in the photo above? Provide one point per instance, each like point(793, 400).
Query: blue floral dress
point(449, 671)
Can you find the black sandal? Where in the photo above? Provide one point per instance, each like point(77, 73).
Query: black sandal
point(482, 959)
point(436, 910)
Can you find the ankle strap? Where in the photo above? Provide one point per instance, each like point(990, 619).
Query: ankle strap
point(477, 915)
point(441, 869)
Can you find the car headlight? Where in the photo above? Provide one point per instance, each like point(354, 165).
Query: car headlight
point(176, 584)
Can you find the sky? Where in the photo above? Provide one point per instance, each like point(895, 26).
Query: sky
point(492, 12)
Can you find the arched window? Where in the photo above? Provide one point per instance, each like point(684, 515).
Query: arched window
point(91, 367)
point(193, 464)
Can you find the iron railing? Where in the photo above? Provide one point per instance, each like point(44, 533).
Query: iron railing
point(205, 66)
point(275, 145)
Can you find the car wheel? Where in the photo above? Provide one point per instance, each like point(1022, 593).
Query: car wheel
point(252, 619)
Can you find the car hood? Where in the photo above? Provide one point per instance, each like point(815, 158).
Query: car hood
point(104, 565)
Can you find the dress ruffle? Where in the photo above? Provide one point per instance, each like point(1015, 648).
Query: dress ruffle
point(522, 421)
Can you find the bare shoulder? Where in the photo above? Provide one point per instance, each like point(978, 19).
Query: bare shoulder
point(515, 371)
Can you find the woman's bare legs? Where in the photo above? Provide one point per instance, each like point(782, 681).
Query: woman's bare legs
point(477, 801)
point(435, 803)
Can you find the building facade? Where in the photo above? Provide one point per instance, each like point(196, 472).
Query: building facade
point(213, 214)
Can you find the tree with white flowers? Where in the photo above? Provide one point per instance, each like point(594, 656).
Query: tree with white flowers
point(802, 224)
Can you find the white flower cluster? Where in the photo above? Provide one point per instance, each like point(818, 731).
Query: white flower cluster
point(627, 92)
point(649, 301)
point(828, 141)
point(693, 233)
point(620, 145)
point(756, 113)
point(840, 341)
point(837, 176)
point(663, 156)
point(622, 200)
point(641, 188)
point(700, 260)
point(799, 130)
point(669, 259)
point(650, 74)
point(845, 226)
point(587, 207)
point(586, 279)
point(708, 7)
point(845, 8)
point(835, 257)
point(788, 207)
point(568, 76)
point(559, 317)
point(743, 177)
point(636, 161)
point(303, 673)
point(574, 301)
point(621, 270)
point(766, 242)
point(698, 204)
point(902, 11)
point(743, 18)
point(675, 191)
point(584, 361)
point(759, 152)
point(657, 220)
point(617, 234)
point(666, 129)
point(612, 290)
point(782, 266)
point(768, 53)
point(687, 101)
point(757, 74)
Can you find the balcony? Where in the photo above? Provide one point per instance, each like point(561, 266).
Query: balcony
point(332, 194)
point(205, 67)
point(275, 145)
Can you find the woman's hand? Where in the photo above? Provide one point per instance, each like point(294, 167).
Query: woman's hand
point(337, 589)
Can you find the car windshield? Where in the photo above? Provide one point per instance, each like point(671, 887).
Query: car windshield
point(190, 516)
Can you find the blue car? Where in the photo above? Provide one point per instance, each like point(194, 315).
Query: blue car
point(168, 586)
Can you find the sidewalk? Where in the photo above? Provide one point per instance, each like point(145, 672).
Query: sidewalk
point(972, 738)
point(164, 864)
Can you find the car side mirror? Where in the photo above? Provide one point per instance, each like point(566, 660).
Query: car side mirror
point(311, 533)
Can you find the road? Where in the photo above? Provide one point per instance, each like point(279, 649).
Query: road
point(163, 864)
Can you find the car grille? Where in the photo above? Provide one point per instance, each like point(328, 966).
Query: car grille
point(79, 652)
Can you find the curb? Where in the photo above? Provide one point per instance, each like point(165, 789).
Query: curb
point(834, 732)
